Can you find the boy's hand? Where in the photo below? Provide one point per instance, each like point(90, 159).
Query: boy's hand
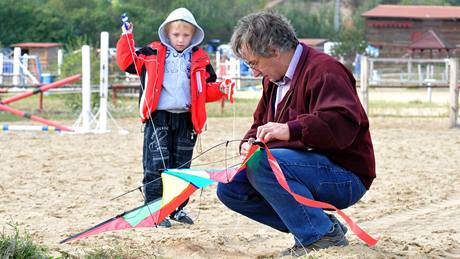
point(129, 30)
point(227, 88)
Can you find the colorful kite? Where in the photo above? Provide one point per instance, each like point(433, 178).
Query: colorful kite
point(184, 183)
point(180, 184)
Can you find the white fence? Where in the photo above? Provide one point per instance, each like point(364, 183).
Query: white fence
point(402, 73)
point(395, 72)
point(19, 70)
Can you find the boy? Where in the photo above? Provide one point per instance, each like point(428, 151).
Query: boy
point(177, 79)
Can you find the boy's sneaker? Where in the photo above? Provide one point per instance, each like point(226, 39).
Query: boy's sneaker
point(165, 223)
point(335, 237)
point(182, 217)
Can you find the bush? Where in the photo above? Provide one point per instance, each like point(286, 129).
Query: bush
point(73, 65)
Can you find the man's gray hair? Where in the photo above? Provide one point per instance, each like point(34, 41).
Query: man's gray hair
point(262, 32)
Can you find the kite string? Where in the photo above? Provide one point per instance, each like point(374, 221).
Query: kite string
point(201, 154)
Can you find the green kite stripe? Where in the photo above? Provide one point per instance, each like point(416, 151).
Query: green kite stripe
point(198, 181)
point(136, 216)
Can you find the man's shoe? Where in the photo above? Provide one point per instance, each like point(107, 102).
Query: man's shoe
point(165, 223)
point(182, 217)
point(295, 251)
point(336, 221)
point(335, 237)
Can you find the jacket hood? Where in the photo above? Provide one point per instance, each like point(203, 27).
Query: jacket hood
point(184, 15)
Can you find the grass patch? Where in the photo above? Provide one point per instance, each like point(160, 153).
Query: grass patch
point(20, 245)
point(411, 109)
point(240, 108)
point(63, 107)
point(410, 104)
point(58, 107)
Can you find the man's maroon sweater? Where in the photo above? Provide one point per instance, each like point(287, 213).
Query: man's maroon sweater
point(323, 112)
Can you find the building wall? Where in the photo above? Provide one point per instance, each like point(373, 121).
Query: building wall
point(48, 58)
point(393, 35)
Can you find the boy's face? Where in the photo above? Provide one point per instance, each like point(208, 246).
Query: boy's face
point(180, 35)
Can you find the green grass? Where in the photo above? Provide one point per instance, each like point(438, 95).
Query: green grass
point(58, 107)
point(410, 104)
point(411, 109)
point(20, 245)
point(239, 108)
point(65, 107)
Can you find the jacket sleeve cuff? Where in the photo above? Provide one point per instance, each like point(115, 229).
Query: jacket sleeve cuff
point(295, 130)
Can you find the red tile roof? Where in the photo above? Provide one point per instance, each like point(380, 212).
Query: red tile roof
point(36, 44)
point(430, 40)
point(415, 11)
point(312, 41)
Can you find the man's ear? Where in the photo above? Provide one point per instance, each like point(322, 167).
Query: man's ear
point(275, 52)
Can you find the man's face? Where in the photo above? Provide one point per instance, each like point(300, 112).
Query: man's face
point(263, 66)
point(180, 35)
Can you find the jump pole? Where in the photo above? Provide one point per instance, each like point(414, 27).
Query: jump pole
point(103, 113)
point(16, 61)
point(83, 123)
point(103, 82)
point(86, 87)
point(42, 89)
point(4, 107)
point(7, 127)
point(34, 118)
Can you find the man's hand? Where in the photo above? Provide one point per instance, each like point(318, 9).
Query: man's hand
point(273, 131)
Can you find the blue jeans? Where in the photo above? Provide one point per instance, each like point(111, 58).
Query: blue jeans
point(169, 140)
point(255, 192)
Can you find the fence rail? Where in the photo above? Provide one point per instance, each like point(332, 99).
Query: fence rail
point(430, 73)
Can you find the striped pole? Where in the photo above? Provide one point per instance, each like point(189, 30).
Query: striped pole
point(33, 117)
point(41, 89)
point(7, 127)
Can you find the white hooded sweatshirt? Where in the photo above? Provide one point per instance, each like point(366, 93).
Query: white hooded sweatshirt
point(175, 95)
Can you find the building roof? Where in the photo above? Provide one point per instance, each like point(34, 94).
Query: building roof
point(430, 40)
point(37, 45)
point(313, 42)
point(415, 11)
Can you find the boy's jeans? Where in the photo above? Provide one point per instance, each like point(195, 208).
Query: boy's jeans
point(256, 193)
point(173, 134)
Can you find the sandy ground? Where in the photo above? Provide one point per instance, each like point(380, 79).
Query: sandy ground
point(54, 185)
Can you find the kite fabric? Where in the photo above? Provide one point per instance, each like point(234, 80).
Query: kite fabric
point(180, 184)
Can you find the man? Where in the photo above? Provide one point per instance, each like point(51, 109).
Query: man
point(311, 118)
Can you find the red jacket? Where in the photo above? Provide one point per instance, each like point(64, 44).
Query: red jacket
point(150, 61)
point(323, 112)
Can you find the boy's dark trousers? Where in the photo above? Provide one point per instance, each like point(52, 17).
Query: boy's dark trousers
point(169, 140)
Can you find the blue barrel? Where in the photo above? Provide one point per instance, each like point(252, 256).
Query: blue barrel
point(48, 78)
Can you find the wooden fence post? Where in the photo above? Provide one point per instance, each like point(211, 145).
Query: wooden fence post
point(364, 81)
point(453, 92)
